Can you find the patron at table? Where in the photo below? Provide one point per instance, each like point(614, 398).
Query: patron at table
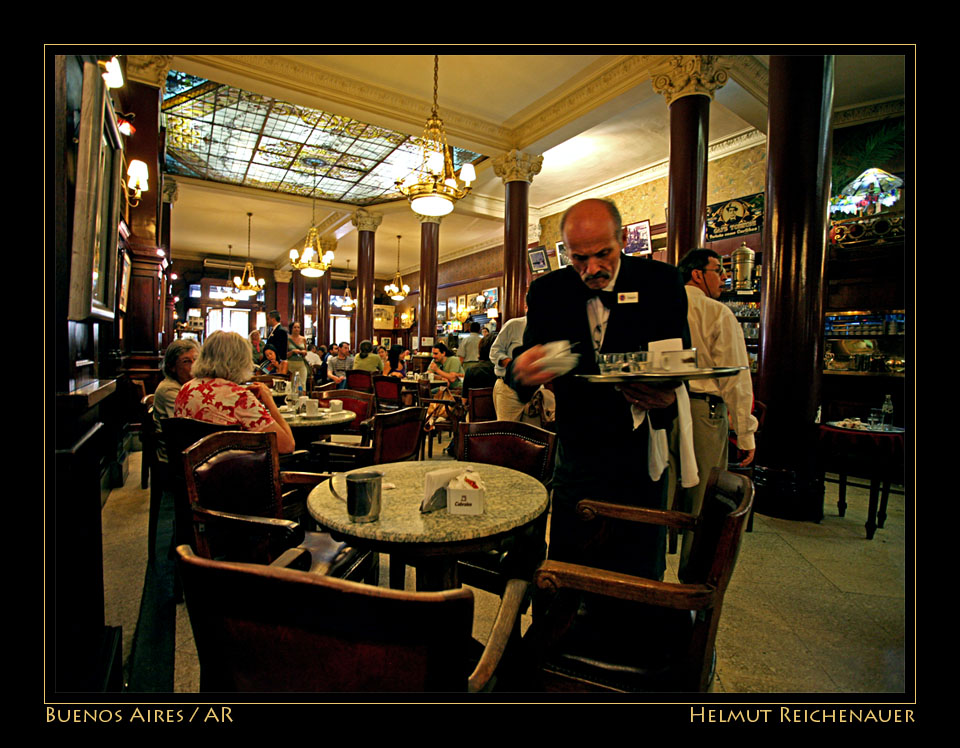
point(178, 370)
point(216, 394)
point(445, 366)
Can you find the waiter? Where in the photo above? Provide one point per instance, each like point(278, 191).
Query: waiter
point(718, 338)
point(603, 302)
point(505, 399)
point(277, 337)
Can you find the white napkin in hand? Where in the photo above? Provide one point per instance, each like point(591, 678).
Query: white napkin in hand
point(658, 451)
point(557, 357)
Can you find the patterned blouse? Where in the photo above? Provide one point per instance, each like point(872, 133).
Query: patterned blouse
point(222, 402)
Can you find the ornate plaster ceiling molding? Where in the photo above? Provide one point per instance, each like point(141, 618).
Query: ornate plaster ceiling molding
point(349, 95)
point(149, 69)
point(750, 73)
point(622, 75)
point(859, 114)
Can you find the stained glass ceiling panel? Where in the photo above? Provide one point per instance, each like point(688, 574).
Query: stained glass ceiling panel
point(223, 134)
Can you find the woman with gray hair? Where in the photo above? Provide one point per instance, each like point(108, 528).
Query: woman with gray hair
point(177, 369)
point(216, 396)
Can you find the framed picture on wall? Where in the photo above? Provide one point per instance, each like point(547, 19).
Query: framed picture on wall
point(451, 307)
point(563, 259)
point(124, 283)
point(96, 216)
point(538, 260)
point(461, 302)
point(386, 343)
point(638, 239)
point(441, 311)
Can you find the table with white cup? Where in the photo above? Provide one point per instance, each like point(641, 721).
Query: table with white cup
point(310, 421)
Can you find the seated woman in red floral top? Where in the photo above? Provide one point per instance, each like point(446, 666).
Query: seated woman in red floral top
point(215, 395)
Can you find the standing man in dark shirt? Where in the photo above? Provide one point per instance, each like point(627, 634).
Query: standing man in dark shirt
point(603, 429)
point(277, 337)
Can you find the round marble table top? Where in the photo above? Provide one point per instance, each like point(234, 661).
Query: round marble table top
point(326, 418)
point(512, 499)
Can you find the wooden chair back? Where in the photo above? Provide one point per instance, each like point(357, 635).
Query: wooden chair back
point(178, 435)
point(480, 404)
point(360, 380)
point(397, 435)
point(387, 390)
point(269, 629)
point(321, 388)
point(361, 403)
point(520, 446)
point(235, 471)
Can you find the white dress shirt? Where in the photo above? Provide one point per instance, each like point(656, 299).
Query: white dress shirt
point(511, 335)
point(718, 338)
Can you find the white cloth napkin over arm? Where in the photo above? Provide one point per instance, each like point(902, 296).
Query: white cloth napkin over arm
point(658, 451)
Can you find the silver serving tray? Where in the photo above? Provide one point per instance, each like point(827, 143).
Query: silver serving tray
point(653, 377)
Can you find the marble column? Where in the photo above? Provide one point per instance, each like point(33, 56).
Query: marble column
point(688, 82)
point(517, 170)
point(367, 224)
point(795, 228)
point(429, 262)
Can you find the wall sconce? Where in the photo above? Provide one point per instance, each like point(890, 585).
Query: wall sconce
point(125, 124)
point(112, 75)
point(137, 180)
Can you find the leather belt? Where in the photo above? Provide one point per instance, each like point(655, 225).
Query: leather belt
point(711, 399)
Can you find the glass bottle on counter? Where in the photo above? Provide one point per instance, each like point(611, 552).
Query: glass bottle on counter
point(887, 410)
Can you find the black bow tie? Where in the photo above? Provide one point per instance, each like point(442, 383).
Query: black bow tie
point(607, 298)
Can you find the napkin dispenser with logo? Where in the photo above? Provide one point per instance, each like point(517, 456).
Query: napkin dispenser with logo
point(465, 493)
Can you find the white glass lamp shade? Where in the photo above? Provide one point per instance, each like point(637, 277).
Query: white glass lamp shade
point(431, 205)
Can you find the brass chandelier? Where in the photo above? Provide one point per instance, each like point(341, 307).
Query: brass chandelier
point(433, 188)
point(397, 290)
point(311, 261)
point(248, 284)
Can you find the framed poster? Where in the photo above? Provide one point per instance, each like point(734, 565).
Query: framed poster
point(124, 282)
point(386, 343)
point(563, 259)
point(441, 311)
point(461, 303)
point(638, 239)
point(96, 215)
point(382, 317)
point(452, 307)
point(538, 260)
point(490, 297)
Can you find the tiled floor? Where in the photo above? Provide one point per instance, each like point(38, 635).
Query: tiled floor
point(811, 607)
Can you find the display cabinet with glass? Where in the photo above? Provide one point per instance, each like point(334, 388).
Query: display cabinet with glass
point(864, 342)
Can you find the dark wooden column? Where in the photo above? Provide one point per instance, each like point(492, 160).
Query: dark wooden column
point(794, 240)
point(687, 198)
point(323, 309)
point(283, 280)
point(688, 83)
point(429, 261)
point(298, 287)
point(517, 170)
point(367, 224)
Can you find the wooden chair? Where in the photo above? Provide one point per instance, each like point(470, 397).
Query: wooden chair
point(270, 629)
point(523, 447)
point(443, 417)
point(480, 404)
point(391, 437)
point(245, 509)
point(660, 639)
point(178, 434)
point(360, 380)
point(361, 403)
point(318, 389)
point(152, 474)
point(387, 390)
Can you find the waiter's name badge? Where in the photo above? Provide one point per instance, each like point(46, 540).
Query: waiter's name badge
point(627, 297)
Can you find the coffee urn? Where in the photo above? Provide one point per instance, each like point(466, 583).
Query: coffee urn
point(742, 259)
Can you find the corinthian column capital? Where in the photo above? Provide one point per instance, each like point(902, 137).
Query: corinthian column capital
point(689, 75)
point(429, 219)
point(282, 276)
point(150, 69)
point(517, 166)
point(364, 220)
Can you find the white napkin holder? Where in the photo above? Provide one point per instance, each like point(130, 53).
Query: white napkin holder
point(462, 498)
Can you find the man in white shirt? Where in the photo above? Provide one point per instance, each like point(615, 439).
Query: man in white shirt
point(505, 399)
point(469, 349)
point(718, 338)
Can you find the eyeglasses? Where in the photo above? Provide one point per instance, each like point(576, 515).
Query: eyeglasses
point(718, 270)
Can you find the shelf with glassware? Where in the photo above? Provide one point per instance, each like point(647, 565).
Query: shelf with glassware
point(863, 343)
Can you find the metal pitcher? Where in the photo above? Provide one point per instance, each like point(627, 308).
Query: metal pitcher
point(363, 495)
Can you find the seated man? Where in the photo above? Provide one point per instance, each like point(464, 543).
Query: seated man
point(448, 368)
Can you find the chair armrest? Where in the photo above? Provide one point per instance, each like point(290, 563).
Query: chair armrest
point(556, 575)
point(588, 509)
point(294, 558)
point(298, 478)
point(514, 596)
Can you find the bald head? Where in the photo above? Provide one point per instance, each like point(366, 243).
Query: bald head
point(594, 237)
